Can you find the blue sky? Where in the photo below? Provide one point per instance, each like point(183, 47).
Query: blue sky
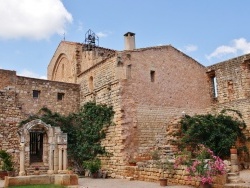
point(209, 31)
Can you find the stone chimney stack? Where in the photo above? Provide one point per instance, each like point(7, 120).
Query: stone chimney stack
point(129, 39)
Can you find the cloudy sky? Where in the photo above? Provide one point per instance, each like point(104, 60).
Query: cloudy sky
point(209, 31)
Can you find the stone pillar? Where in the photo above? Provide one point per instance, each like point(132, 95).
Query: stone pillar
point(65, 158)
point(56, 159)
point(51, 159)
point(60, 160)
point(234, 163)
point(22, 159)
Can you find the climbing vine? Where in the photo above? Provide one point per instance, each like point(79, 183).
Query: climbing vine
point(218, 132)
point(85, 129)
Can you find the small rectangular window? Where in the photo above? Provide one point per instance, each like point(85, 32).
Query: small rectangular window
point(36, 94)
point(128, 71)
point(152, 75)
point(60, 96)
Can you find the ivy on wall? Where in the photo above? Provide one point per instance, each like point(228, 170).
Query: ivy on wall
point(85, 129)
point(219, 132)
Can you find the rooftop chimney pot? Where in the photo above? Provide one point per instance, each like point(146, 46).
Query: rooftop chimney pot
point(129, 39)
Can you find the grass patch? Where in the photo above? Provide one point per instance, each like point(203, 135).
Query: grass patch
point(38, 186)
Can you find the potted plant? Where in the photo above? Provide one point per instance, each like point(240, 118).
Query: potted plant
point(233, 150)
point(93, 166)
point(70, 170)
point(204, 166)
point(7, 163)
point(36, 172)
point(132, 162)
point(164, 165)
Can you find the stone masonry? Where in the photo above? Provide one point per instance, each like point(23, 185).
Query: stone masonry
point(149, 89)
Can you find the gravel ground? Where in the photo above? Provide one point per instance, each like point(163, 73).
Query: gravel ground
point(123, 183)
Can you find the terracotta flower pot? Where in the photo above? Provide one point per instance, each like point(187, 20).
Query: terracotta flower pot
point(233, 151)
point(205, 185)
point(163, 182)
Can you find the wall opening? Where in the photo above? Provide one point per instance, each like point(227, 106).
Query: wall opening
point(36, 146)
point(91, 84)
point(215, 87)
point(60, 96)
point(36, 94)
point(128, 75)
point(152, 75)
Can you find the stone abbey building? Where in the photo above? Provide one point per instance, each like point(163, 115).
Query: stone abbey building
point(149, 89)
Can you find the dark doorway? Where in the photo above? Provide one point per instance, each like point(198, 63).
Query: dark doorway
point(36, 147)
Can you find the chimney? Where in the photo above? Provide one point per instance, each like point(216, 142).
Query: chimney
point(129, 39)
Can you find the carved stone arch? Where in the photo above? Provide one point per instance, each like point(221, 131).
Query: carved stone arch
point(42, 145)
point(35, 136)
point(63, 70)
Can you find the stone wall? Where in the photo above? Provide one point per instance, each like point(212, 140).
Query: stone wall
point(233, 86)
point(148, 171)
point(158, 85)
point(17, 103)
point(48, 95)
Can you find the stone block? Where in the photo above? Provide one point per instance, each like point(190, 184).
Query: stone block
point(62, 179)
point(73, 179)
point(41, 179)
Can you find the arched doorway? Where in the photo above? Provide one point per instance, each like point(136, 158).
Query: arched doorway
point(44, 146)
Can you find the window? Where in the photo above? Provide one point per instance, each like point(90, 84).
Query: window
point(91, 84)
point(36, 94)
point(152, 75)
point(128, 71)
point(214, 84)
point(60, 96)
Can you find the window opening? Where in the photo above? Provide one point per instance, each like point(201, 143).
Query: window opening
point(152, 75)
point(60, 96)
point(91, 83)
point(215, 87)
point(129, 71)
point(36, 94)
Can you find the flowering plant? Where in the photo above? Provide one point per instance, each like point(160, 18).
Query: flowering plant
point(204, 166)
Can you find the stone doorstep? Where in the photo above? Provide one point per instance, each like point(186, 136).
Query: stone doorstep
point(59, 179)
point(237, 185)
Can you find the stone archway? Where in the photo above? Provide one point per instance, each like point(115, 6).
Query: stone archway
point(42, 144)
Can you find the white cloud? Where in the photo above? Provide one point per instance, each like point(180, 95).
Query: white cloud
point(238, 46)
point(33, 19)
point(191, 48)
point(28, 73)
point(80, 26)
point(102, 34)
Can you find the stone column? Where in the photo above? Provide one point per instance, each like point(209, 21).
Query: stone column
point(51, 159)
point(56, 159)
point(234, 163)
point(60, 160)
point(22, 159)
point(65, 158)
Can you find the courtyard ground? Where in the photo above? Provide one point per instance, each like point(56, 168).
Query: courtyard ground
point(123, 183)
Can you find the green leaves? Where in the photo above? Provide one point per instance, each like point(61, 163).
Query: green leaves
point(85, 129)
point(218, 132)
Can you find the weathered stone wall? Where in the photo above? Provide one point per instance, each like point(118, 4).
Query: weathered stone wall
point(62, 66)
point(233, 86)
point(48, 96)
point(71, 59)
point(99, 83)
point(17, 103)
point(148, 171)
point(178, 84)
point(8, 78)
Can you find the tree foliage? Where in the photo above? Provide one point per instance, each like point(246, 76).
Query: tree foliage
point(85, 129)
point(218, 132)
